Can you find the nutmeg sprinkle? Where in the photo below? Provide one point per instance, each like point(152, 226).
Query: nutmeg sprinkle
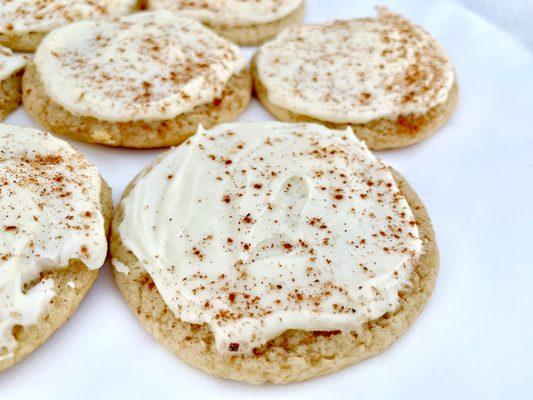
point(295, 247)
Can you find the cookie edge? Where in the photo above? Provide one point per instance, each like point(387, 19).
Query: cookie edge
point(10, 94)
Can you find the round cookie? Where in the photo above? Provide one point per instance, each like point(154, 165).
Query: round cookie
point(244, 34)
point(11, 70)
point(220, 98)
point(24, 23)
point(294, 355)
point(71, 284)
point(412, 101)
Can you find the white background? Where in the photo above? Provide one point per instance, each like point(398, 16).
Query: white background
point(475, 337)
point(512, 15)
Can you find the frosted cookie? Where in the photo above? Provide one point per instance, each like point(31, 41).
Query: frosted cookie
point(145, 80)
point(248, 22)
point(24, 23)
point(385, 77)
point(273, 252)
point(11, 70)
point(55, 211)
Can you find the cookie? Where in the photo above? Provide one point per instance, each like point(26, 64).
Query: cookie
point(162, 77)
point(24, 23)
point(385, 77)
point(273, 252)
point(57, 211)
point(247, 23)
point(11, 70)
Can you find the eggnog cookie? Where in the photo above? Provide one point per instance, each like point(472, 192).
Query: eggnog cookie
point(248, 22)
point(55, 211)
point(273, 252)
point(385, 77)
point(11, 69)
point(145, 80)
point(24, 23)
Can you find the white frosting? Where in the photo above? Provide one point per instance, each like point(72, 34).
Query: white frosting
point(356, 71)
point(51, 213)
point(120, 266)
point(147, 66)
point(263, 227)
point(231, 12)
point(25, 16)
point(10, 63)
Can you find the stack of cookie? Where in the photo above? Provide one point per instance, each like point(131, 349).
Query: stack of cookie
point(268, 251)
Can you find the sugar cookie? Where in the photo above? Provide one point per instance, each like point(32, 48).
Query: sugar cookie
point(385, 77)
point(162, 76)
point(273, 252)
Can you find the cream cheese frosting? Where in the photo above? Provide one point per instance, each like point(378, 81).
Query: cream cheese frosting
point(259, 228)
point(147, 66)
point(231, 12)
point(10, 63)
point(356, 71)
point(26, 16)
point(51, 213)
point(120, 266)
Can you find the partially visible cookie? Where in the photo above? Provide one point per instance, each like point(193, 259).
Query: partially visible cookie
point(247, 23)
point(55, 211)
point(385, 77)
point(162, 77)
point(301, 256)
point(24, 23)
point(11, 70)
